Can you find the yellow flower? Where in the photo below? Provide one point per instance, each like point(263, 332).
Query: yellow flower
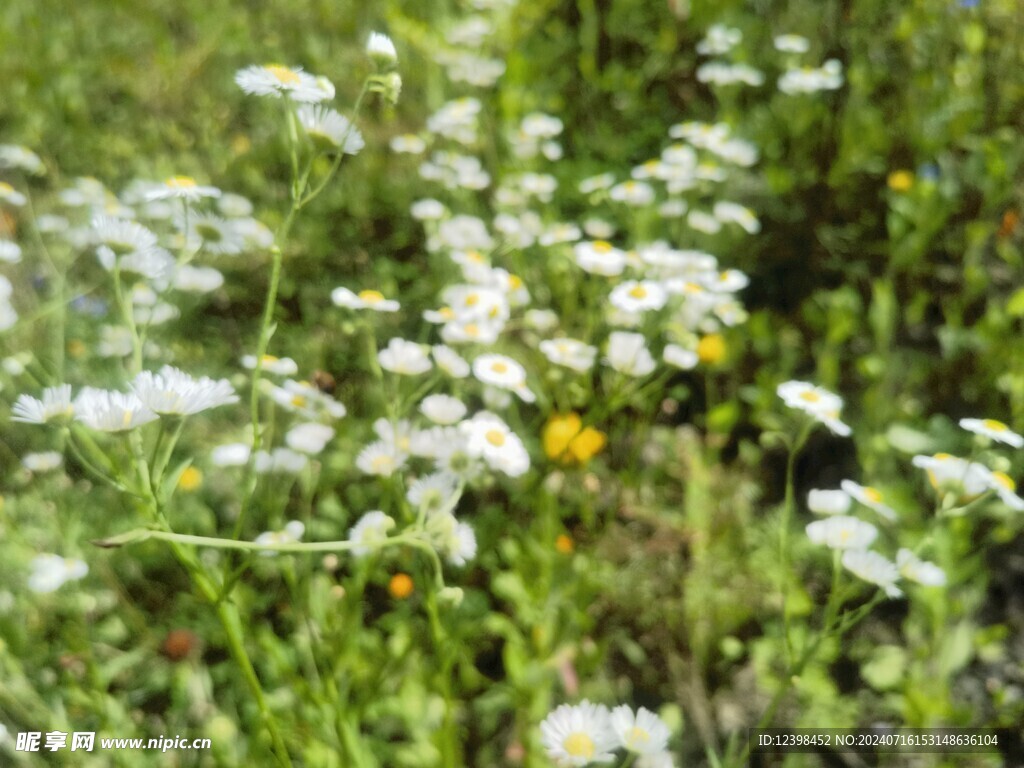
point(190, 480)
point(711, 349)
point(900, 181)
point(564, 544)
point(567, 441)
point(400, 586)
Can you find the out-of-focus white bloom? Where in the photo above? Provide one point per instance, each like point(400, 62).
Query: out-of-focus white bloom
point(600, 257)
point(433, 492)
point(404, 357)
point(702, 221)
point(828, 77)
point(490, 438)
point(628, 354)
point(192, 279)
point(279, 366)
point(234, 206)
point(638, 296)
point(369, 532)
point(465, 233)
point(279, 461)
point(719, 39)
point(443, 409)
point(42, 462)
point(656, 760)
point(276, 80)
point(428, 210)
point(182, 188)
point(873, 568)
point(571, 353)
point(792, 44)
point(921, 571)
point(330, 130)
point(635, 193)
point(599, 229)
point(55, 405)
point(869, 497)
point(381, 458)
point(680, 357)
point(503, 372)
point(10, 195)
point(367, 299)
point(450, 361)
point(14, 156)
point(230, 455)
point(172, 392)
point(51, 572)
point(409, 144)
point(947, 473)
point(720, 73)
point(842, 532)
point(310, 438)
point(108, 411)
point(380, 48)
point(560, 233)
point(994, 430)
point(10, 251)
point(833, 502)
point(597, 183)
point(734, 213)
point(580, 734)
point(290, 534)
point(822, 405)
point(643, 732)
point(541, 320)
point(1004, 487)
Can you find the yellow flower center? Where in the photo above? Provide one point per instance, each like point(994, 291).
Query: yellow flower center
point(495, 437)
point(472, 300)
point(499, 367)
point(692, 288)
point(873, 495)
point(371, 297)
point(601, 246)
point(446, 312)
point(381, 463)
point(638, 735)
point(180, 182)
point(579, 745)
point(474, 256)
point(995, 426)
point(1004, 480)
point(638, 292)
point(810, 396)
point(298, 401)
point(515, 282)
point(5, 188)
point(283, 74)
point(472, 330)
point(126, 419)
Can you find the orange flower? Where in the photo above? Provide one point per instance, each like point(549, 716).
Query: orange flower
point(567, 441)
point(564, 544)
point(400, 586)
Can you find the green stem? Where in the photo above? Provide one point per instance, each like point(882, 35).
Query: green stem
point(788, 508)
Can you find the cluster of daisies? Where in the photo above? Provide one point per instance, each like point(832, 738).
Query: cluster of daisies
point(957, 481)
point(586, 733)
point(14, 160)
point(797, 78)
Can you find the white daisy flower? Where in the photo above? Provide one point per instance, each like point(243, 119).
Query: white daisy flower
point(409, 144)
point(792, 44)
point(734, 213)
point(502, 372)
point(10, 251)
point(577, 735)
point(310, 438)
point(560, 233)
point(873, 568)
point(10, 195)
point(108, 411)
point(367, 299)
point(842, 532)
point(404, 357)
point(869, 497)
point(432, 492)
point(632, 192)
point(832, 502)
point(183, 188)
point(542, 320)
point(279, 461)
point(490, 438)
point(818, 403)
point(921, 571)
point(947, 473)
point(638, 296)
point(571, 353)
point(303, 398)
point(600, 257)
point(55, 405)
point(191, 279)
point(46, 461)
point(51, 572)
point(381, 458)
point(460, 332)
point(369, 532)
point(428, 210)
point(290, 534)
point(215, 235)
point(329, 130)
point(680, 357)
point(450, 361)
point(279, 366)
point(643, 732)
point(230, 455)
point(994, 430)
point(719, 39)
point(380, 48)
point(20, 158)
point(172, 392)
point(1004, 487)
point(443, 409)
point(275, 80)
point(628, 354)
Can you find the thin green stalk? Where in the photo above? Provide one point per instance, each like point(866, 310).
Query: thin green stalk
point(788, 507)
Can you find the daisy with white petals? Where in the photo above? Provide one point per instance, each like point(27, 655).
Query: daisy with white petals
point(51, 572)
point(994, 430)
point(819, 403)
point(873, 568)
point(369, 532)
point(404, 357)
point(628, 354)
point(921, 571)
point(368, 299)
point(643, 732)
point(842, 532)
point(108, 411)
point(580, 734)
point(276, 80)
point(571, 353)
point(869, 497)
point(55, 405)
point(172, 392)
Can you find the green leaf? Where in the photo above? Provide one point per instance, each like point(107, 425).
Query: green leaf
point(885, 669)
